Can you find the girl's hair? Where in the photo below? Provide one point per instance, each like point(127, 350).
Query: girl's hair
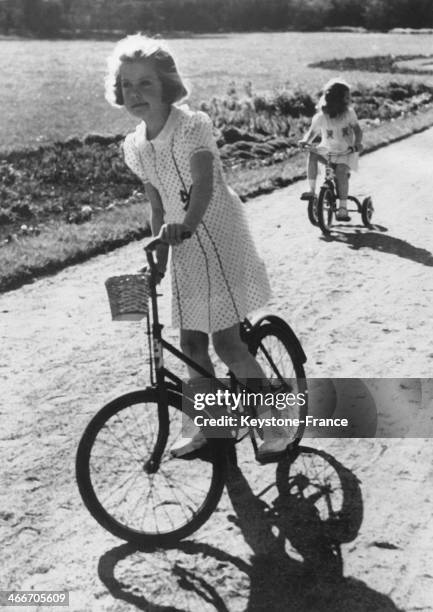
point(138, 47)
point(333, 101)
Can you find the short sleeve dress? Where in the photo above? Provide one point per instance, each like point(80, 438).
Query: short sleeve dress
point(337, 136)
point(217, 275)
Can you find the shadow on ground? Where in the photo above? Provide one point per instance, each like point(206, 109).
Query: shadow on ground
point(362, 238)
point(295, 563)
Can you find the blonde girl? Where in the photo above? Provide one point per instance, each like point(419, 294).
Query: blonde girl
point(217, 276)
point(337, 124)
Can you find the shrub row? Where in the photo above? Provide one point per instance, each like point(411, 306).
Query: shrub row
point(73, 180)
point(375, 63)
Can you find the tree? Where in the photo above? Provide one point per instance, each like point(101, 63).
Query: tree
point(42, 17)
point(310, 14)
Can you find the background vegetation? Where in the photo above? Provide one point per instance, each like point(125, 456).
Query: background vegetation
point(52, 90)
point(65, 196)
point(53, 17)
point(72, 181)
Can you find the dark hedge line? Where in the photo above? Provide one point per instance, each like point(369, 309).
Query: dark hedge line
point(50, 17)
point(376, 63)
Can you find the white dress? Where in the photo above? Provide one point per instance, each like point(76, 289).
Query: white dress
point(217, 275)
point(337, 135)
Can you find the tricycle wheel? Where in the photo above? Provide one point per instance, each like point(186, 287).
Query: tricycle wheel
point(312, 211)
point(325, 210)
point(367, 211)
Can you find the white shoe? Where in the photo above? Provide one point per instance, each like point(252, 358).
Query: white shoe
point(184, 446)
point(276, 439)
point(273, 447)
point(191, 439)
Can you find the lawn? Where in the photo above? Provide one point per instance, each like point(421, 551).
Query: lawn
point(52, 90)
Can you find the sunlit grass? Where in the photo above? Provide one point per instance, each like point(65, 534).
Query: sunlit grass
point(61, 244)
point(54, 89)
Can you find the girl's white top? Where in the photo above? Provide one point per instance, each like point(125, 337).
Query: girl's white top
point(337, 135)
point(217, 276)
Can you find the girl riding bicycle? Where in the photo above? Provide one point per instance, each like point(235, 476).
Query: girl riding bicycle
point(337, 124)
point(217, 276)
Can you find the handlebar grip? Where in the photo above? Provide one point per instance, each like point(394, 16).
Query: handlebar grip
point(156, 241)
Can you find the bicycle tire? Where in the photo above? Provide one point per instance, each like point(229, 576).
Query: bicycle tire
point(367, 212)
point(325, 209)
point(312, 211)
point(286, 365)
point(168, 512)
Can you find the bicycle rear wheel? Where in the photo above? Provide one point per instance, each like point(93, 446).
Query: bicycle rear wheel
point(274, 349)
point(325, 209)
point(125, 493)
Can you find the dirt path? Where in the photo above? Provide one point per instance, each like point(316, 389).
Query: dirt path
point(361, 304)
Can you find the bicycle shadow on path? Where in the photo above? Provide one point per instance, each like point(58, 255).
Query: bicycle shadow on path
point(361, 238)
point(199, 576)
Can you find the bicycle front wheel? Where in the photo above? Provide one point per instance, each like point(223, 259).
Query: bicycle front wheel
point(133, 499)
point(312, 211)
point(273, 347)
point(325, 209)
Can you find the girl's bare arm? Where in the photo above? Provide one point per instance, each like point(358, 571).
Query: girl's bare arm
point(308, 136)
point(156, 222)
point(358, 136)
point(201, 166)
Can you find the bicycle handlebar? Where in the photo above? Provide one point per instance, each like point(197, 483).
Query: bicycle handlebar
point(314, 148)
point(150, 247)
point(155, 241)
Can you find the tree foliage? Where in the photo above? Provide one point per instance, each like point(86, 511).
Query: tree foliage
point(48, 17)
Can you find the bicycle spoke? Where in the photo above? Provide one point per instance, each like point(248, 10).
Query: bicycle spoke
point(175, 494)
point(112, 493)
point(116, 446)
point(119, 441)
point(148, 422)
point(128, 434)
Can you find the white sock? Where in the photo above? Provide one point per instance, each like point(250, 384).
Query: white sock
point(312, 183)
point(343, 204)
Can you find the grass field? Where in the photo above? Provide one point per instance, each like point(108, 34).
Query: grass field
point(52, 90)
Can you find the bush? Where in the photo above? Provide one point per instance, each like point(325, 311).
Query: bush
point(59, 180)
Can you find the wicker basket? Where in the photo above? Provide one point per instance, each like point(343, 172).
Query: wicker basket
point(128, 296)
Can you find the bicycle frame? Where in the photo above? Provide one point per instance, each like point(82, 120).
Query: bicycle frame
point(330, 182)
point(162, 378)
point(330, 178)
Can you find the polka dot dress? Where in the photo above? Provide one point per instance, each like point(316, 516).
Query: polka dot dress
point(217, 275)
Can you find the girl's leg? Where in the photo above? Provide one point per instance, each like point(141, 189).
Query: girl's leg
point(342, 177)
point(195, 345)
point(312, 170)
point(235, 354)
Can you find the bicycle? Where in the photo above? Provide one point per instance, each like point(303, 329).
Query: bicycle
point(126, 476)
point(323, 208)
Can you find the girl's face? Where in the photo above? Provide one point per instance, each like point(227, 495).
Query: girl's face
point(142, 89)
